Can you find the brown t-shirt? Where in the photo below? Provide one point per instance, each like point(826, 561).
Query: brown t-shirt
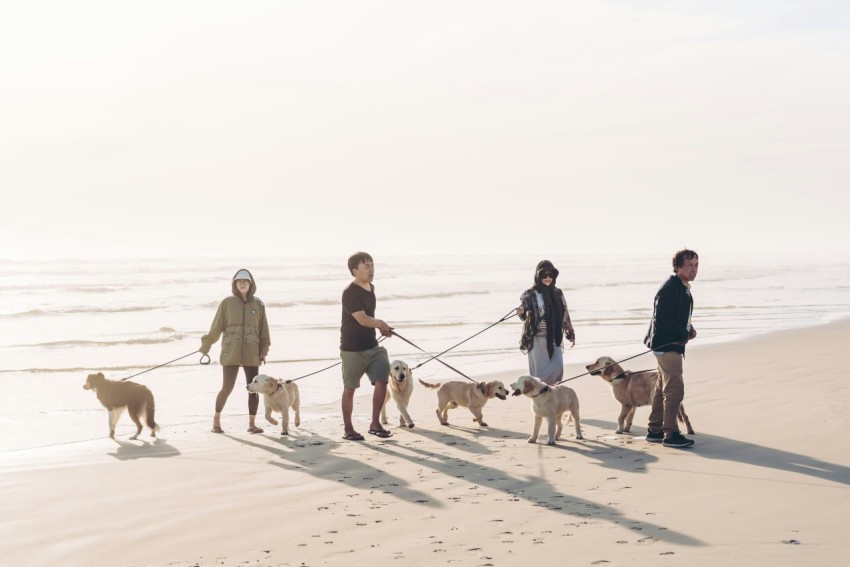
point(354, 337)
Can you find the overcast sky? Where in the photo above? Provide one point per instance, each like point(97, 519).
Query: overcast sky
point(309, 127)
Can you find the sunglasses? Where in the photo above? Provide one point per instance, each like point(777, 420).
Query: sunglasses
point(545, 275)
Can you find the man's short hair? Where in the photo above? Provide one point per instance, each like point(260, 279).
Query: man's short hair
point(681, 257)
point(356, 259)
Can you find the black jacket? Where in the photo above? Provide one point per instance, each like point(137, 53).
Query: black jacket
point(670, 314)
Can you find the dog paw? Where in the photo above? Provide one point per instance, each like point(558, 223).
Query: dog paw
point(579, 437)
point(551, 442)
point(482, 424)
point(620, 431)
point(410, 426)
point(532, 439)
point(284, 433)
point(272, 420)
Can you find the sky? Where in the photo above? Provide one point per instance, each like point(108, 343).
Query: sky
point(292, 128)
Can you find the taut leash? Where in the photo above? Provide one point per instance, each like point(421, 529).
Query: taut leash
point(169, 362)
point(323, 369)
point(510, 314)
point(447, 365)
point(612, 364)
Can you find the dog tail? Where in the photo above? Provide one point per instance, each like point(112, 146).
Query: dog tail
point(427, 385)
point(150, 410)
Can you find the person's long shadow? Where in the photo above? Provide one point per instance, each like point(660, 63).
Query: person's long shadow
point(534, 489)
point(141, 449)
point(714, 447)
point(321, 463)
point(608, 455)
point(723, 448)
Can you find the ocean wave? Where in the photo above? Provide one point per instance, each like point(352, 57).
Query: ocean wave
point(84, 343)
point(93, 289)
point(88, 369)
point(434, 295)
point(319, 302)
point(76, 311)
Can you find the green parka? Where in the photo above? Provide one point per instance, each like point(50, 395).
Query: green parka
point(245, 328)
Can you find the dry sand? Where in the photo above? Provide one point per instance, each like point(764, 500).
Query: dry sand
point(766, 483)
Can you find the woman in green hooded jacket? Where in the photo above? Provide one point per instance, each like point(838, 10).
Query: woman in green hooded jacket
point(241, 319)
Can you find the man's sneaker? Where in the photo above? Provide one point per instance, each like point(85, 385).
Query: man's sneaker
point(678, 441)
point(655, 437)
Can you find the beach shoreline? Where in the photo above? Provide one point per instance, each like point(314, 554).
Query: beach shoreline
point(760, 484)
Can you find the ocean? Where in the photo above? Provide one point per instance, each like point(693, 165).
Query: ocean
point(64, 319)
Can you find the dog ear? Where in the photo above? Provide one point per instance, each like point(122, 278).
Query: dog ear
point(527, 386)
point(100, 375)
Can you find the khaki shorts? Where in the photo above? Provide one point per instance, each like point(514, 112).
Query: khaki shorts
point(375, 363)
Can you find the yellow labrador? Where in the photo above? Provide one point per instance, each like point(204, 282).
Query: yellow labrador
point(279, 396)
point(400, 389)
point(465, 394)
point(631, 389)
point(551, 402)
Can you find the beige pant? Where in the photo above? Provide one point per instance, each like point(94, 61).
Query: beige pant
point(668, 395)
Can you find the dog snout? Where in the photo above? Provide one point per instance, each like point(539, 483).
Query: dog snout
point(401, 376)
point(517, 393)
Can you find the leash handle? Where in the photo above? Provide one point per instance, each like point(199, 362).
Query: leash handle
point(207, 356)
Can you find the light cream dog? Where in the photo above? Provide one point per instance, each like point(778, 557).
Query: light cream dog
point(550, 402)
point(466, 394)
point(631, 389)
point(279, 396)
point(400, 389)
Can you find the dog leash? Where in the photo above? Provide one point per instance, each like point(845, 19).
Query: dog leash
point(325, 368)
point(169, 362)
point(447, 365)
point(613, 363)
point(510, 314)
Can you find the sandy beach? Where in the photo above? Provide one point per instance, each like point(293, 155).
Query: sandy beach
point(767, 481)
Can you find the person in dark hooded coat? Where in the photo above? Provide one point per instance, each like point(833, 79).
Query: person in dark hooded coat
point(546, 321)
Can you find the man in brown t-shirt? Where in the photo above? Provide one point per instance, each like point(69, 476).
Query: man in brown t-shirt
point(358, 347)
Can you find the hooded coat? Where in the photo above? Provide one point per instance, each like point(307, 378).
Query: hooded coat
point(556, 314)
point(244, 327)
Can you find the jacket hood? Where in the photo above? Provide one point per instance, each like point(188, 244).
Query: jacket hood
point(253, 288)
point(542, 266)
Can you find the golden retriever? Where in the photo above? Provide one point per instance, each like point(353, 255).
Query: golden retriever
point(631, 389)
point(466, 394)
point(116, 396)
point(279, 396)
point(400, 389)
point(551, 402)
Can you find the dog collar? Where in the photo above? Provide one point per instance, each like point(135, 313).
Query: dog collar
point(279, 386)
point(619, 376)
point(543, 390)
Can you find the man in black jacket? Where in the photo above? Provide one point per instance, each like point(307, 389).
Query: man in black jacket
point(668, 332)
